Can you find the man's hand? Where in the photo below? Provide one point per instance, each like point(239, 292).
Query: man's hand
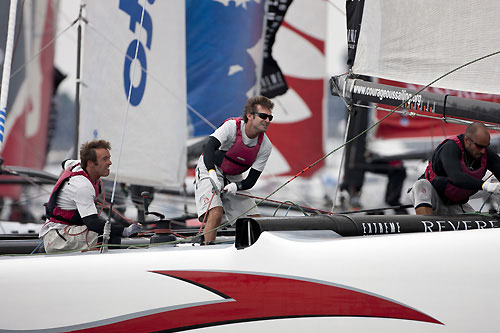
point(230, 188)
point(215, 180)
point(132, 229)
point(492, 187)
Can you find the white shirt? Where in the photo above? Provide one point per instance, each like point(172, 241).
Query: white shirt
point(226, 134)
point(78, 193)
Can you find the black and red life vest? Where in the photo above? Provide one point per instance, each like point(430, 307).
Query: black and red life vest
point(441, 183)
point(66, 216)
point(239, 158)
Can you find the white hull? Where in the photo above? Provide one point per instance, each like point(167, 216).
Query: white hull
point(296, 281)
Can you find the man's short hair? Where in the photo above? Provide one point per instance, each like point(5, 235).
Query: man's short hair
point(87, 151)
point(473, 128)
point(251, 105)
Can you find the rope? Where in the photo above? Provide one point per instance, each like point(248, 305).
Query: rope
point(407, 100)
point(206, 213)
point(288, 202)
point(105, 236)
point(36, 248)
point(104, 205)
point(333, 151)
point(161, 231)
point(363, 132)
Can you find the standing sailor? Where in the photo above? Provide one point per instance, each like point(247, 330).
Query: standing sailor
point(73, 222)
point(455, 173)
point(237, 145)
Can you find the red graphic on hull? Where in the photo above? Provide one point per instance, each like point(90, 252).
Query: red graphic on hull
point(252, 297)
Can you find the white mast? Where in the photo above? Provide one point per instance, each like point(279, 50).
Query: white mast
point(9, 46)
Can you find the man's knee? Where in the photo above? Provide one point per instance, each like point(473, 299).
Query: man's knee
point(423, 209)
point(421, 194)
point(215, 213)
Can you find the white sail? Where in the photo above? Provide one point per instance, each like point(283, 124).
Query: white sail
point(154, 146)
point(418, 41)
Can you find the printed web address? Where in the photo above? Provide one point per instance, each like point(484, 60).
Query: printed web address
point(389, 94)
point(414, 102)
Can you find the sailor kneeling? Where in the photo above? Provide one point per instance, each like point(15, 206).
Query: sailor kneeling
point(455, 172)
point(73, 222)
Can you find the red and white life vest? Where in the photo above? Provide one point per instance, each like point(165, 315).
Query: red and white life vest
point(451, 192)
point(239, 157)
point(66, 216)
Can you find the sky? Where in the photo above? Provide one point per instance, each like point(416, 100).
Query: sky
point(66, 44)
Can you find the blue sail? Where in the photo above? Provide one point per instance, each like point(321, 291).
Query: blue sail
point(221, 72)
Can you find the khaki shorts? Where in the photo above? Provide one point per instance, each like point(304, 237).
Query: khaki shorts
point(69, 238)
point(423, 192)
point(235, 206)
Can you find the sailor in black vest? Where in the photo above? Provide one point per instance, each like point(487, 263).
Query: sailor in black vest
point(73, 222)
point(455, 172)
point(235, 147)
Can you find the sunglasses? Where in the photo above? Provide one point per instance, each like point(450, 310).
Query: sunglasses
point(477, 144)
point(264, 115)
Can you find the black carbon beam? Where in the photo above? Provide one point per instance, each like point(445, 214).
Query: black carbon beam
point(248, 230)
point(445, 105)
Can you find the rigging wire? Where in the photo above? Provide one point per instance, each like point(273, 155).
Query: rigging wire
point(273, 176)
point(27, 178)
point(288, 202)
point(342, 161)
point(37, 54)
point(157, 80)
point(411, 96)
point(129, 94)
point(331, 3)
point(366, 130)
point(331, 152)
point(396, 109)
point(107, 226)
point(414, 114)
point(89, 24)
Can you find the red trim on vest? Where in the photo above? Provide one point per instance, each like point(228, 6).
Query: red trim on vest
point(452, 192)
point(67, 216)
point(239, 158)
